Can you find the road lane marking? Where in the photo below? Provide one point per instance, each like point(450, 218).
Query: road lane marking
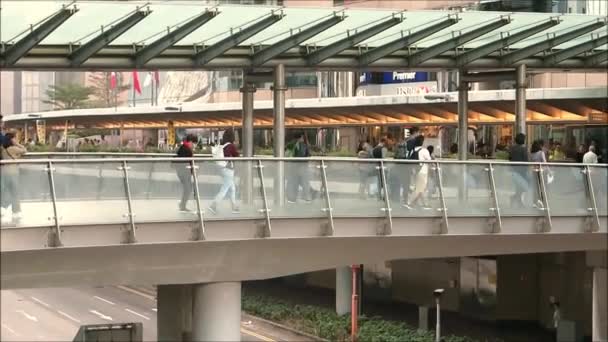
point(138, 314)
point(256, 335)
point(128, 289)
point(102, 316)
point(104, 300)
point(40, 302)
point(6, 327)
point(28, 316)
point(68, 316)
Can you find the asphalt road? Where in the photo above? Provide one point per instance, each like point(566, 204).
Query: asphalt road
point(57, 314)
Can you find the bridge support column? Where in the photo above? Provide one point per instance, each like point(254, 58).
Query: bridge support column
point(279, 89)
point(171, 311)
point(600, 308)
point(463, 131)
point(344, 290)
point(216, 314)
point(520, 99)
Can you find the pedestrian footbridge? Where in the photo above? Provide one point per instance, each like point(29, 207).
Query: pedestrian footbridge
point(96, 221)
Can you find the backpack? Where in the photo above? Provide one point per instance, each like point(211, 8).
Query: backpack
point(401, 152)
point(217, 152)
point(377, 152)
point(414, 154)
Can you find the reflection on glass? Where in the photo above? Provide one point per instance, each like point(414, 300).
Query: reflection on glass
point(90, 193)
point(25, 197)
point(302, 189)
point(355, 189)
point(467, 190)
point(599, 178)
point(518, 190)
point(566, 190)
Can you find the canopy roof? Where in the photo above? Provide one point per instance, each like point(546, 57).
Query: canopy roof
point(178, 35)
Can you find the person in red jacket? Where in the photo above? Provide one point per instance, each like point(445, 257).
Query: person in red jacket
point(184, 172)
point(227, 171)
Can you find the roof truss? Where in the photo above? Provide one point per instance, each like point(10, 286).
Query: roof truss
point(294, 40)
point(87, 50)
point(330, 50)
point(506, 40)
point(551, 41)
point(404, 41)
point(235, 39)
point(576, 50)
point(158, 46)
point(25, 44)
point(596, 58)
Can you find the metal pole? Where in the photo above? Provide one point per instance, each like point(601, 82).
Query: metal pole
point(247, 90)
point(543, 192)
point(125, 169)
point(388, 227)
point(199, 209)
point(354, 318)
point(55, 238)
point(520, 99)
point(591, 195)
point(494, 197)
point(463, 118)
point(279, 130)
point(438, 327)
point(444, 209)
point(329, 208)
point(266, 209)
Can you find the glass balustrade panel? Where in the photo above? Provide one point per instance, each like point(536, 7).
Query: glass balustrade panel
point(467, 190)
point(518, 189)
point(566, 190)
point(599, 179)
point(413, 189)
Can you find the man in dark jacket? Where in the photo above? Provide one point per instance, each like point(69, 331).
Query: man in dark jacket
point(184, 170)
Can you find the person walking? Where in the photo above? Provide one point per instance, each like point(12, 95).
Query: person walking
point(538, 155)
point(228, 150)
point(519, 153)
point(184, 171)
point(421, 175)
point(11, 150)
point(590, 157)
point(380, 152)
point(299, 174)
point(401, 176)
point(364, 151)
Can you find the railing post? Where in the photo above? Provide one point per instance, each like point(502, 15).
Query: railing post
point(55, 236)
point(328, 208)
point(497, 228)
point(543, 190)
point(388, 226)
point(444, 209)
point(200, 235)
point(268, 230)
point(591, 193)
point(131, 238)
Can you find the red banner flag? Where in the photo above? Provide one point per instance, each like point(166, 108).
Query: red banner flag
point(112, 80)
point(157, 78)
point(136, 85)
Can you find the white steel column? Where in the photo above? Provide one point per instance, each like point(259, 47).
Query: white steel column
point(600, 308)
point(216, 312)
point(248, 91)
point(169, 315)
point(279, 89)
point(344, 290)
point(520, 99)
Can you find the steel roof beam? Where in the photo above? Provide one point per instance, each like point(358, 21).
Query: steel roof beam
point(88, 49)
point(550, 42)
point(504, 42)
point(333, 49)
point(158, 46)
point(596, 58)
point(25, 44)
point(576, 50)
point(404, 41)
point(294, 40)
point(215, 50)
point(461, 38)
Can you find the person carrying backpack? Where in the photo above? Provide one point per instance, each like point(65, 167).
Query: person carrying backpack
point(184, 170)
point(226, 150)
point(380, 152)
point(421, 174)
point(401, 176)
point(300, 174)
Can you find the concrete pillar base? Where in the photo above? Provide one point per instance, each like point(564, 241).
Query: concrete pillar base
point(599, 306)
point(344, 290)
point(216, 314)
point(169, 316)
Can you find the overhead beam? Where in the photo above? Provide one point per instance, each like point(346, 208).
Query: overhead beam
point(457, 40)
point(573, 51)
point(158, 46)
point(25, 44)
point(88, 49)
point(333, 49)
point(551, 41)
point(294, 40)
point(404, 41)
point(206, 55)
point(506, 40)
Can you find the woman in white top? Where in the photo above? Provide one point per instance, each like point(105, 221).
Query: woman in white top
point(422, 175)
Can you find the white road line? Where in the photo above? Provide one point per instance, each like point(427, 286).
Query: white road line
point(28, 316)
point(68, 316)
point(102, 316)
point(6, 327)
point(104, 300)
point(124, 288)
point(138, 314)
point(154, 309)
point(40, 302)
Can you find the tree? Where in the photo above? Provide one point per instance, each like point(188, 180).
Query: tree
point(104, 96)
point(68, 96)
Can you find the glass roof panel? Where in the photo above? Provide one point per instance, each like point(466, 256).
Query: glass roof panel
point(17, 16)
